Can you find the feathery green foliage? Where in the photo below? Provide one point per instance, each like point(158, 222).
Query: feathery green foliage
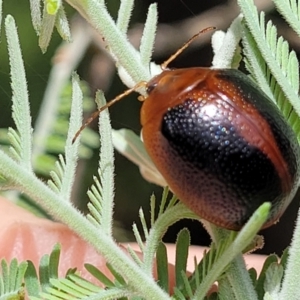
point(270, 63)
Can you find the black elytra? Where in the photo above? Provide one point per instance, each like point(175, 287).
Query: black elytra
point(221, 144)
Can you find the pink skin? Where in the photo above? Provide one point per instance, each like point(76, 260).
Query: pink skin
point(28, 237)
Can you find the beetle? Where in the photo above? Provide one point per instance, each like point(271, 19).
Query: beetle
point(221, 144)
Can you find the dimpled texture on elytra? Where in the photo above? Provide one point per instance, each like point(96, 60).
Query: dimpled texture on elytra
point(222, 146)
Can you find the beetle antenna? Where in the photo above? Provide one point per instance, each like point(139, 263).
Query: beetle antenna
point(165, 64)
point(138, 85)
point(107, 105)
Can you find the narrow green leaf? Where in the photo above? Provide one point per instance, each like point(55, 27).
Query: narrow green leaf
point(69, 288)
point(13, 270)
point(178, 294)
point(5, 275)
point(182, 251)
point(44, 272)
point(48, 22)
point(124, 15)
point(62, 24)
point(187, 287)
point(93, 220)
point(134, 256)
point(36, 15)
point(88, 286)
point(143, 222)
point(163, 202)
point(94, 212)
point(118, 277)
point(262, 277)
point(274, 275)
point(148, 37)
point(19, 278)
point(162, 266)
point(203, 267)
point(54, 261)
point(284, 258)
point(253, 275)
point(108, 294)
point(138, 237)
point(56, 180)
point(54, 294)
point(152, 209)
point(99, 275)
point(15, 142)
point(31, 280)
point(53, 186)
point(293, 70)
point(196, 272)
point(172, 201)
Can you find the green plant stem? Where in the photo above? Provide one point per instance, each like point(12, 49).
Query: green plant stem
point(95, 12)
point(164, 221)
point(236, 275)
point(66, 213)
point(106, 168)
point(238, 278)
point(71, 150)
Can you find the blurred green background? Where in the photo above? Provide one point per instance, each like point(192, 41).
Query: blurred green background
point(132, 191)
